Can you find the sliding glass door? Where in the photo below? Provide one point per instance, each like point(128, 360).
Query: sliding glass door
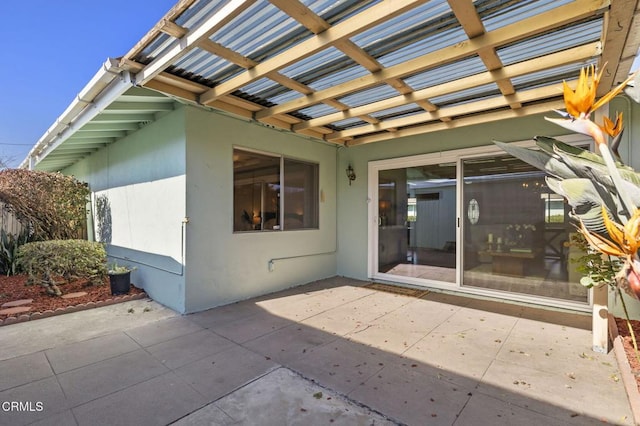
point(417, 222)
point(516, 239)
point(478, 223)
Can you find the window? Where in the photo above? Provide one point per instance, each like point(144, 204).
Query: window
point(272, 193)
point(554, 208)
point(412, 212)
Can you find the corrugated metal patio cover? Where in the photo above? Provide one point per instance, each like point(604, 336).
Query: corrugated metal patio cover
point(361, 71)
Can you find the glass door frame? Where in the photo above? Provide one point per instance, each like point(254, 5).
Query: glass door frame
point(457, 156)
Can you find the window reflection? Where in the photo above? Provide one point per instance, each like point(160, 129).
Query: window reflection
point(259, 197)
point(518, 243)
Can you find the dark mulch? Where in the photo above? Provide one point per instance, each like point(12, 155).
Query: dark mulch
point(15, 288)
point(623, 331)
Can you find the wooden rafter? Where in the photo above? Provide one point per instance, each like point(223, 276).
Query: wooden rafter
point(618, 21)
point(302, 14)
point(189, 46)
point(191, 39)
point(462, 122)
point(480, 43)
point(175, 12)
point(361, 22)
point(576, 54)
point(532, 95)
point(316, 24)
point(190, 91)
point(527, 27)
point(473, 27)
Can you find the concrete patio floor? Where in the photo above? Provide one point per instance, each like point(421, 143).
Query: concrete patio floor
point(331, 352)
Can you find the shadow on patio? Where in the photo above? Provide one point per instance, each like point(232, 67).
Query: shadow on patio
point(437, 360)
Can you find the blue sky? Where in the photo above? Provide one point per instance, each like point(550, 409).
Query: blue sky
point(51, 50)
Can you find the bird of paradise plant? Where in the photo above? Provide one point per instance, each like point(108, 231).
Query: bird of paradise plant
point(604, 193)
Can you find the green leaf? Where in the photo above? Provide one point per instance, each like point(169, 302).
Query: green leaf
point(553, 146)
point(538, 159)
point(587, 282)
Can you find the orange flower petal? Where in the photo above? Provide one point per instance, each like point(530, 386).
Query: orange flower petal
point(613, 229)
point(611, 128)
point(600, 243)
point(613, 93)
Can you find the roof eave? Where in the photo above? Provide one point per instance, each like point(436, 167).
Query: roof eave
point(109, 82)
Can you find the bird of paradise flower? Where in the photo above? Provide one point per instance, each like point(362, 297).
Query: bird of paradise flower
point(580, 104)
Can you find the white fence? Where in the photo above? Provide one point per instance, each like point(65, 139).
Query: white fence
point(8, 221)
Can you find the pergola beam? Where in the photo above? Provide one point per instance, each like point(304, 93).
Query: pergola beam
point(461, 122)
point(175, 11)
point(575, 54)
point(618, 20)
point(361, 22)
point(471, 23)
point(454, 111)
point(528, 27)
point(190, 40)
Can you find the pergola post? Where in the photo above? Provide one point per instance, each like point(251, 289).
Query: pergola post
point(600, 327)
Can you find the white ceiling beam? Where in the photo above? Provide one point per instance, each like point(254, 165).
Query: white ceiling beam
point(88, 134)
point(83, 141)
point(116, 125)
point(122, 118)
point(138, 107)
point(78, 149)
point(67, 157)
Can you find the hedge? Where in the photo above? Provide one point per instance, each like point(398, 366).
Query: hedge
point(46, 261)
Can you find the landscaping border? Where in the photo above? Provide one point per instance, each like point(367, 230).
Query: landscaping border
point(628, 379)
point(74, 308)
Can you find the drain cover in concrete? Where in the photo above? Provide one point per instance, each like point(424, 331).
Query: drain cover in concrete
point(15, 310)
point(283, 398)
point(74, 295)
point(14, 303)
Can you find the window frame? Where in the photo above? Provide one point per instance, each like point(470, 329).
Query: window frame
point(282, 201)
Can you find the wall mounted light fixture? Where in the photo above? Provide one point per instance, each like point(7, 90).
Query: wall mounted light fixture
point(351, 175)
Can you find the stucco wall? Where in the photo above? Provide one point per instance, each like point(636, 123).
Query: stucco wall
point(140, 181)
point(224, 266)
point(181, 166)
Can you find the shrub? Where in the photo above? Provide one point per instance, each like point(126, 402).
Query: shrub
point(9, 245)
point(51, 205)
point(45, 261)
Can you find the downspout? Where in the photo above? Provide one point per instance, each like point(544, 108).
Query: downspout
point(107, 84)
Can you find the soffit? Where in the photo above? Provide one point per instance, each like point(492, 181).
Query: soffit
point(130, 112)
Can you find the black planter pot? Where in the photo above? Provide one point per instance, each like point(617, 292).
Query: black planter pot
point(120, 283)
